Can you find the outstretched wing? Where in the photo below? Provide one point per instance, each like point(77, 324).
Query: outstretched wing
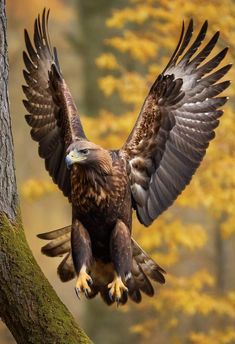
point(52, 113)
point(175, 125)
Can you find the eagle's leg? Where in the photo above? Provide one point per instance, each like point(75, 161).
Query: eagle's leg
point(82, 257)
point(121, 255)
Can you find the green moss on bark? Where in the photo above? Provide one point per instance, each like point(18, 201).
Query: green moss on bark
point(28, 304)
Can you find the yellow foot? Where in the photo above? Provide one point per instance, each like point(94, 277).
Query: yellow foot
point(83, 283)
point(116, 289)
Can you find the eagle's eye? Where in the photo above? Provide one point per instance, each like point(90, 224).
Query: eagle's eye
point(84, 151)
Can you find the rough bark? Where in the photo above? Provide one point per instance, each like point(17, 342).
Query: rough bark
point(28, 304)
point(8, 193)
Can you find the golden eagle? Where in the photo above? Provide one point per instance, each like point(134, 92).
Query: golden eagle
point(159, 158)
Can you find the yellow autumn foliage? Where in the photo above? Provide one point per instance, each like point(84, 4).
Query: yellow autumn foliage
point(224, 336)
point(107, 61)
point(18, 9)
point(141, 48)
point(33, 188)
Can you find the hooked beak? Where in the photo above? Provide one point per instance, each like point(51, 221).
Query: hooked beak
point(73, 157)
point(68, 161)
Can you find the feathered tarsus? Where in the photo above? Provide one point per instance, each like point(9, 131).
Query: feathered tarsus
point(158, 160)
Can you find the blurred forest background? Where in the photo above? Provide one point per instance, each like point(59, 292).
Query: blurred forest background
point(110, 53)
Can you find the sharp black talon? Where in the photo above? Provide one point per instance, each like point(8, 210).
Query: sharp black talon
point(77, 291)
point(111, 296)
point(86, 293)
point(118, 300)
point(90, 282)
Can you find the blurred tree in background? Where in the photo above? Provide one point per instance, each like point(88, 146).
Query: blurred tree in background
point(87, 43)
point(194, 240)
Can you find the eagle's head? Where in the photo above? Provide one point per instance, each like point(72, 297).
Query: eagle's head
point(89, 155)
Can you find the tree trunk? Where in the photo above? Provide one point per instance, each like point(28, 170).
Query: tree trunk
point(28, 304)
point(88, 43)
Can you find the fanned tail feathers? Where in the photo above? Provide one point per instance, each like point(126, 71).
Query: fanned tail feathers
point(144, 269)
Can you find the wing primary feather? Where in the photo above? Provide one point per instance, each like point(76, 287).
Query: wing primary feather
point(30, 49)
point(46, 37)
point(213, 63)
point(47, 28)
point(36, 37)
point(196, 44)
point(39, 26)
point(176, 49)
point(186, 40)
point(205, 51)
point(210, 92)
point(182, 45)
point(28, 63)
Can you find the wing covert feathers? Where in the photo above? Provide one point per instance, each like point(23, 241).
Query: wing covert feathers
point(176, 124)
point(52, 114)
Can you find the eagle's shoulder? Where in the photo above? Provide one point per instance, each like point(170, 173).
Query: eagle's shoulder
point(115, 155)
point(119, 162)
